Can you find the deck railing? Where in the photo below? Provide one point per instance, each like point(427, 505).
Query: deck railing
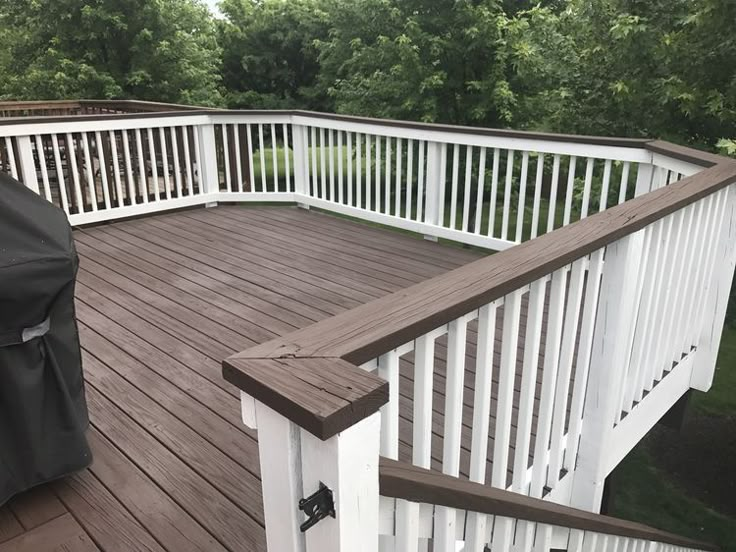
point(534, 370)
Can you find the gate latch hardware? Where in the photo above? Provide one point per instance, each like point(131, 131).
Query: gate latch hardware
point(317, 506)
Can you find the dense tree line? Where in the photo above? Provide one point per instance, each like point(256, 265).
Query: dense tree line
point(664, 68)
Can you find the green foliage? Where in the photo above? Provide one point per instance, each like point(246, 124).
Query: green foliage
point(162, 50)
point(270, 59)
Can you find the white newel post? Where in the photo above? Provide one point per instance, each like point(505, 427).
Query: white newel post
point(27, 164)
point(714, 310)
point(209, 179)
point(294, 463)
point(434, 186)
point(301, 183)
point(609, 360)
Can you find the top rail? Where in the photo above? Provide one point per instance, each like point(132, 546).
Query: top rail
point(367, 331)
point(45, 108)
point(404, 481)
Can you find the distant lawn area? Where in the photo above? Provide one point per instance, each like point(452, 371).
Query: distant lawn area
point(653, 484)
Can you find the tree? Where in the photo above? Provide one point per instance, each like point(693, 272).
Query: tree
point(269, 54)
point(163, 50)
point(428, 60)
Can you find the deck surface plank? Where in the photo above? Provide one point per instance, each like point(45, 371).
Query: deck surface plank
point(161, 300)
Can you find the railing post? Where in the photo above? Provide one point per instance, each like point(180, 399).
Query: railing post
point(716, 303)
point(319, 426)
point(609, 361)
point(27, 164)
point(301, 183)
point(209, 179)
point(434, 185)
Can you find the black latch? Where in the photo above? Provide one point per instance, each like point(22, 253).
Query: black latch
point(317, 506)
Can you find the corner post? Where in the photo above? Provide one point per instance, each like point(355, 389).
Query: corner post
point(301, 182)
point(319, 428)
point(434, 186)
point(717, 295)
point(209, 178)
point(644, 177)
point(608, 367)
point(27, 164)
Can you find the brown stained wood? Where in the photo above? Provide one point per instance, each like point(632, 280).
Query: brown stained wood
point(219, 516)
point(323, 395)
point(151, 506)
point(102, 516)
point(372, 329)
point(62, 534)
point(36, 507)
point(10, 527)
point(401, 480)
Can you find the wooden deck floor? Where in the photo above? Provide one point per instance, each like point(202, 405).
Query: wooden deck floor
point(160, 302)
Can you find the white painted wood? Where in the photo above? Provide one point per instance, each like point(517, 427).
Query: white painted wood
point(262, 156)
point(507, 194)
point(714, 307)
point(71, 156)
point(623, 186)
point(564, 372)
point(248, 410)
point(348, 464)
point(226, 158)
point(454, 192)
point(551, 223)
point(359, 172)
point(466, 191)
point(537, 195)
point(142, 177)
point(368, 175)
point(89, 169)
point(152, 160)
point(11, 157)
point(399, 176)
point(480, 192)
point(422, 415)
point(494, 192)
point(569, 190)
point(60, 174)
point(178, 188)
point(44, 169)
point(279, 445)
point(532, 343)
point(206, 155)
point(340, 174)
point(378, 175)
point(27, 163)
point(274, 159)
point(331, 149)
point(435, 184)
point(420, 182)
point(586, 187)
point(520, 212)
point(549, 378)
point(165, 161)
point(605, 185)
point(609, 356)
point(456, 339)
point(388, 369)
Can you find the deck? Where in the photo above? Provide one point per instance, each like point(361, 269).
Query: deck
point(160, 302)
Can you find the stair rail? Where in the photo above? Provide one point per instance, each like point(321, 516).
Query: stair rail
point(521, 523)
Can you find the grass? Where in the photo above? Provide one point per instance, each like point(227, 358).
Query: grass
point(646, 493)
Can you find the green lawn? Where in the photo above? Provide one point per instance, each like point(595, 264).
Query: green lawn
point(645, 492)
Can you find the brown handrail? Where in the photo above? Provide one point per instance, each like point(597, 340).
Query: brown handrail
point(408, 482)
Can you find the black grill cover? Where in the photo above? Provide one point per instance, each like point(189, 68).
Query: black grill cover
point(43, 413)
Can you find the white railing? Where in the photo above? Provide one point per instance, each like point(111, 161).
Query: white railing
point(482, 189)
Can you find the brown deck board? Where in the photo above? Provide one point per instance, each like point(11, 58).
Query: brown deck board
point(161, 301)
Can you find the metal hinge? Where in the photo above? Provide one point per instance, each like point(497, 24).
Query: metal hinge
point(317, 506)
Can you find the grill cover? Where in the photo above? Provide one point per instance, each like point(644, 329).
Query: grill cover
point(43, 413)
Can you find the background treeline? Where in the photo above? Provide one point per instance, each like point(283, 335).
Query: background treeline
point(664, 68)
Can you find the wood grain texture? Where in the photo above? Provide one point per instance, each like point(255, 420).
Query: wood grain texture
point(323, 395)
point(62, 534)
point(403, 480)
